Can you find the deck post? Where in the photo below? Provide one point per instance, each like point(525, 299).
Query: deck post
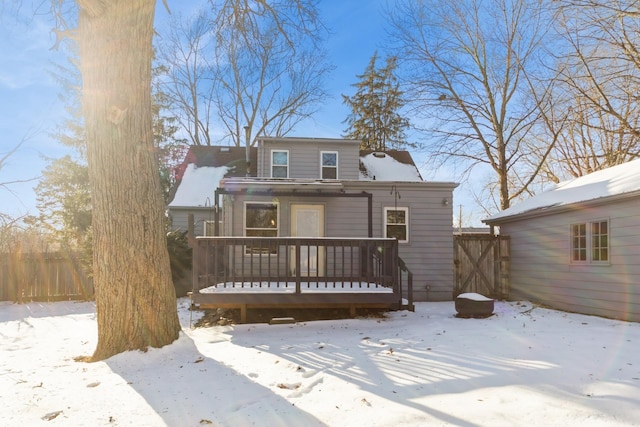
point(395, 273)
point(298, 264)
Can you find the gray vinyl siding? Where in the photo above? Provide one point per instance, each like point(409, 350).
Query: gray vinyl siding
point(179, 218)
point(541, 269)
point(429, 252)
point(304, 158)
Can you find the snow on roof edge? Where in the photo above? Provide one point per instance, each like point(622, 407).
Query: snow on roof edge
point(603, 184)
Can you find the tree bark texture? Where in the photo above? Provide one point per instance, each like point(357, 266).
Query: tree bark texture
point(135, 297)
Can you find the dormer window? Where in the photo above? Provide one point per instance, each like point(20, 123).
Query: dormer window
point(279, 163)
point(329, 164)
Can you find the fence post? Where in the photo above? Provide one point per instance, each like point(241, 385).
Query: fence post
point(195, 262)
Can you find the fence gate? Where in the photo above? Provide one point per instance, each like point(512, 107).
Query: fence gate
point(481, 265)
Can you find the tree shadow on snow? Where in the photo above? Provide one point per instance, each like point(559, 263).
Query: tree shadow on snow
point(408, 370)
point(186, 388)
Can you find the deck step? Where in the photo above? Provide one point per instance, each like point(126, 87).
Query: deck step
point(282, 320)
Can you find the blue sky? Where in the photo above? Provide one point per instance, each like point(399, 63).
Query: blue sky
point(30, 108)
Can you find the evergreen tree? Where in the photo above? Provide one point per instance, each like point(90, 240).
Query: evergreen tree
point(375, 118)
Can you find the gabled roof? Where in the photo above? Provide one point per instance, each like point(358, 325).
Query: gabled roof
point(306, 140)
point(198, 186)
point(391, 165)
point(234, 158)
point(205, 164)
point(600, 186)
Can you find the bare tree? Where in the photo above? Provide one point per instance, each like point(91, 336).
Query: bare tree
point(599, 83)
point(258, 66)
point(471, 65)
point(186, 74)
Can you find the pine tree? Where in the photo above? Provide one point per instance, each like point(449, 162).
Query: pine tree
point(375, 118)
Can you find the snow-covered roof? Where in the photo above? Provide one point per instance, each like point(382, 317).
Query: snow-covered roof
point(198, 186)
point(613, 181)
point(383, 167)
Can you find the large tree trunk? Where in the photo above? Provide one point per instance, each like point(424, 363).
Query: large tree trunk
point(135, 298)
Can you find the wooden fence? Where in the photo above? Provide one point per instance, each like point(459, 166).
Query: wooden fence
point(43, 277)
point(482, 265)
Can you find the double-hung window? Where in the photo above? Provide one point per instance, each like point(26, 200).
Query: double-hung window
point(590, 242)
point(279, 163)
point(329, 164)
point(396, 223)
point(260, 220)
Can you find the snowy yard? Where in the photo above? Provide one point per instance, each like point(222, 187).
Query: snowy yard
point(523, 366)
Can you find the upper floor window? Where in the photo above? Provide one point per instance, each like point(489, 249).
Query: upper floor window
point(280, 163)
point(590, 242)
point(329, 165)
point(396, 223)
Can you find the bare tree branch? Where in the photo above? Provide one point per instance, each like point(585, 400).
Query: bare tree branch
point(470, 63)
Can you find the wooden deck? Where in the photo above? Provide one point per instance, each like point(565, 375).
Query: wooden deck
point(253, 273)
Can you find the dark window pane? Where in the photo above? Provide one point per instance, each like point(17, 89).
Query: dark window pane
point(329, 173)
point(261, 216)
point(396, 217)
point(397, 231)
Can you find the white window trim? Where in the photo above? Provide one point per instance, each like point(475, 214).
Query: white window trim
point(272, 165)
point(322, 166)
point(406, 217)
point(589, 243)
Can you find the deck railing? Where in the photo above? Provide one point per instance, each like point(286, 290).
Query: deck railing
point(299, 265)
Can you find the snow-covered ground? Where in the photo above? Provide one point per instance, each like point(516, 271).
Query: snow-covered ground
point(523, 366)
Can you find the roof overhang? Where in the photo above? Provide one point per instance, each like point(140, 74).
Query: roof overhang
point(279, 185)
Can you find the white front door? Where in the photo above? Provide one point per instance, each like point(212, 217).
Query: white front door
point(308, 221)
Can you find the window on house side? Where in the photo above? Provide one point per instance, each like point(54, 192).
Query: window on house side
point(329, 165)
point(396, 223)
point(600, 241)
point(579, 242)
point(590, 238)
point(260, 220)
point(280, 164)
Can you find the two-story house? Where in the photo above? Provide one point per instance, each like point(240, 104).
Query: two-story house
point(324, 189)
